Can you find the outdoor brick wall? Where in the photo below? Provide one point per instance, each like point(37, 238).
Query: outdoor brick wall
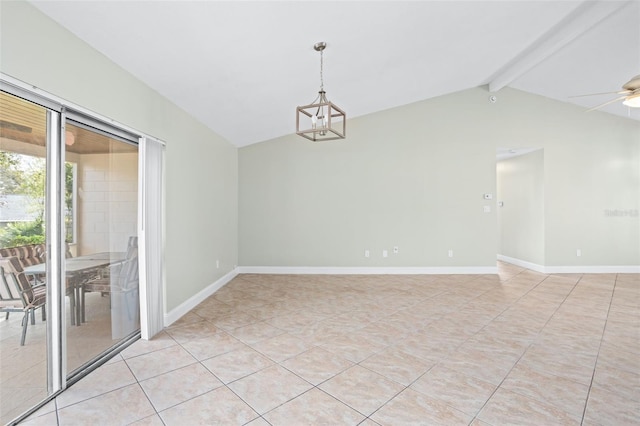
point(107, 201)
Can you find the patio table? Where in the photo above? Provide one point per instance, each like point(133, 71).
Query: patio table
point(79, 269)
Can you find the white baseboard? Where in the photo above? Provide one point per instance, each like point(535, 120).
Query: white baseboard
point(522, 263)
point(193, 301)
point(601, 269)
point(577, 269)
point(329, 270)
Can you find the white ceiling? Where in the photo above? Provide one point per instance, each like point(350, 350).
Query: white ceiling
point(242, 67)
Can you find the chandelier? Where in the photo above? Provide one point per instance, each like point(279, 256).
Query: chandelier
point(321, 120)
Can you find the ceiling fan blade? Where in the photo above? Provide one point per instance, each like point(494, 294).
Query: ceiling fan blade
point(606, 103)
point(622, 92)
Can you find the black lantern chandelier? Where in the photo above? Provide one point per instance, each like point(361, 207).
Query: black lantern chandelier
point(321, 120)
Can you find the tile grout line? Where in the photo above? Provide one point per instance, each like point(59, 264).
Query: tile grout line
point(142, 388)
point(279, 363)
point(503, 311)
point(528, 346)
point(604, 328)
point(55, 403)
point(437, 363)
point(313, 345)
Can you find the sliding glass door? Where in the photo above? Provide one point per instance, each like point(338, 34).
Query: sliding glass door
point(69, 269)
point(23, 331)
point(101, 230)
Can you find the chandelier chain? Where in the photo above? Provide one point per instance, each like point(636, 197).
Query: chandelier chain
point(321, 76)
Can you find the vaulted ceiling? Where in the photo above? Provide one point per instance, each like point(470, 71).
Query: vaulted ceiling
point(241, 67)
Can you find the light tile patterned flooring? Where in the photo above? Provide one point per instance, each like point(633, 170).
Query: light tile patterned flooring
point(515, 348)
point(23, 376)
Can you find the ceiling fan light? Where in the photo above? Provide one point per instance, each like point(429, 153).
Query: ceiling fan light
point(632, 101)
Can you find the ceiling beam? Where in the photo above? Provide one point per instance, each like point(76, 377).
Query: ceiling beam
point(579, 21)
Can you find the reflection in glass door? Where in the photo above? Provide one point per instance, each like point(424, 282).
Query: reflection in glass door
point(23, 329)
point(101, 224)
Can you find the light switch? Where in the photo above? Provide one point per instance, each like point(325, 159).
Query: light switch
point(487, 209)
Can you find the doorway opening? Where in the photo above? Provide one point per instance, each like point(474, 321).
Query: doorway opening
point(520, 206)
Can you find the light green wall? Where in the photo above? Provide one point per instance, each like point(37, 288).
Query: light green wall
point(201, 167)
point(411, 177)
point(414, 177)
point(598, 171)
point(521, 220)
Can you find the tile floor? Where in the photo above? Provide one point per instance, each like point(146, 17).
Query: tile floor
point(23, 376)
point(515, 348)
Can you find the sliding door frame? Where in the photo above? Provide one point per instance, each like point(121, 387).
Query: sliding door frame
point(55, 266)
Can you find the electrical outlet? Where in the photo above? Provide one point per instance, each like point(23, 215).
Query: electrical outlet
point(367, 253)
point(395, 250)
point(578, 252)
point(450, 253)
point(385, 253)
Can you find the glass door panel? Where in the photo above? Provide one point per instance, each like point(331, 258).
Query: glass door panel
point(23, 331)
point(101, 225)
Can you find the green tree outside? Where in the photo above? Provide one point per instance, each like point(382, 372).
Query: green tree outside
point(25, 175)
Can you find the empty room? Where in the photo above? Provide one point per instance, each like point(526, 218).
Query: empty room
point(320, 212)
